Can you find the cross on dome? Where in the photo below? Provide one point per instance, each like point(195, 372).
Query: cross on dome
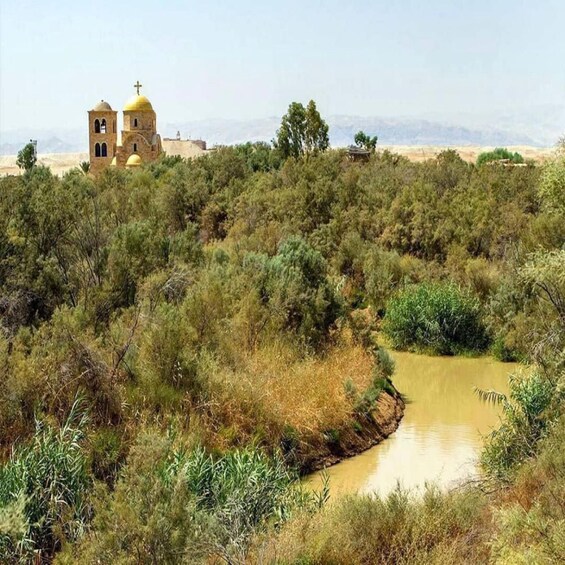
point(137, 86)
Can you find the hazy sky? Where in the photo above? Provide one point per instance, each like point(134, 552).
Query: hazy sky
point(246, 59)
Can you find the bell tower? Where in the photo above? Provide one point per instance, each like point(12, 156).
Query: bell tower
point(102, 136)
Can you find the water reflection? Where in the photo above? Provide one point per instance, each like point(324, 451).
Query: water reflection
point(439, 438)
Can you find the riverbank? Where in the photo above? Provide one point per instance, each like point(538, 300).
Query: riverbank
point(357, 437)
point(441, 434)
point(316, 409)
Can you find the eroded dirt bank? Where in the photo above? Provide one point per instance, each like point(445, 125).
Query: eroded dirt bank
point(357, 436)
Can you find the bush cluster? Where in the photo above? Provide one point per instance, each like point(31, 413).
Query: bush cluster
point(499, 154)
point(437, 318)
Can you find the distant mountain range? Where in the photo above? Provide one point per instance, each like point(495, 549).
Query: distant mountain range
point(48, 141)
point(538, 127)
point(399, 131)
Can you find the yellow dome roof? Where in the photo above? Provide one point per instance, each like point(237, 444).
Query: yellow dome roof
point(133, 161)
point(102, 106)
point(138, 103)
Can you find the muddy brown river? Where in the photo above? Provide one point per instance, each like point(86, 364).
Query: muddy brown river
point(440, 437)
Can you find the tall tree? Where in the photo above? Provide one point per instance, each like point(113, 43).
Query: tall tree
point(26, 157)
point(302, 131)
point(366, 141)
point(316, 134)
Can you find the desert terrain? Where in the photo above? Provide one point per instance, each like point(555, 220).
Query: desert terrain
point(62, 162)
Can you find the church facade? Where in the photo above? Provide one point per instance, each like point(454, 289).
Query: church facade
point(139, 141)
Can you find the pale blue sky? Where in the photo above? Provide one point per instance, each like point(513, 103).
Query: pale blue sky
point(247, 59)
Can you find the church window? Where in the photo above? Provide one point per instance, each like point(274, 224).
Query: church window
point(97, 149)
point(104, 150)
point(103, 126)
point(135, 147)
point(135, 122)
point(96, 126)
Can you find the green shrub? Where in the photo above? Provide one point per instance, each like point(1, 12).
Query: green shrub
point(106, 453)
point(509, 321)
point(383, 275)
point(137, 249)
point(362, 326)
point(552, 185)
point(438, 318)
point(498, 154)
point(524, 423)
point(165, 352)
point(501, 350)
point(296, 287)
point(534, 533)
point(364, 403)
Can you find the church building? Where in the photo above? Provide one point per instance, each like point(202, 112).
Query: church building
point(139, 142)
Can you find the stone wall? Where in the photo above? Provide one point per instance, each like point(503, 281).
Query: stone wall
point(183, 148)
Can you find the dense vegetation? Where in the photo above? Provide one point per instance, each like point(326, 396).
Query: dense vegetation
point(167, 333)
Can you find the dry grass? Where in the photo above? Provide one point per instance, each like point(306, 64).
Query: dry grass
point(275, 392)
point(309, 394)
point(401, 529)
point(420, 153)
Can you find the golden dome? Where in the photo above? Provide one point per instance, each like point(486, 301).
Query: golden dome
point(138, 103)
point(133, 161)
point(102, 106)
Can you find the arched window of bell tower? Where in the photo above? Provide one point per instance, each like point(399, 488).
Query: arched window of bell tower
point(135, 122)
point(104, 150)
point(97, 149)
point(97, 126)
point(103, 126)
point(135, 147)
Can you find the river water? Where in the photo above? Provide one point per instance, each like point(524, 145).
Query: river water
point(440, 437)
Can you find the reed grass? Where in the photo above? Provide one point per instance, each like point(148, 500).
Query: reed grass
point(44, 492)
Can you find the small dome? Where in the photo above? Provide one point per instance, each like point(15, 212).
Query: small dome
point(138, 103)
point(133, 161)
point(102, 106)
